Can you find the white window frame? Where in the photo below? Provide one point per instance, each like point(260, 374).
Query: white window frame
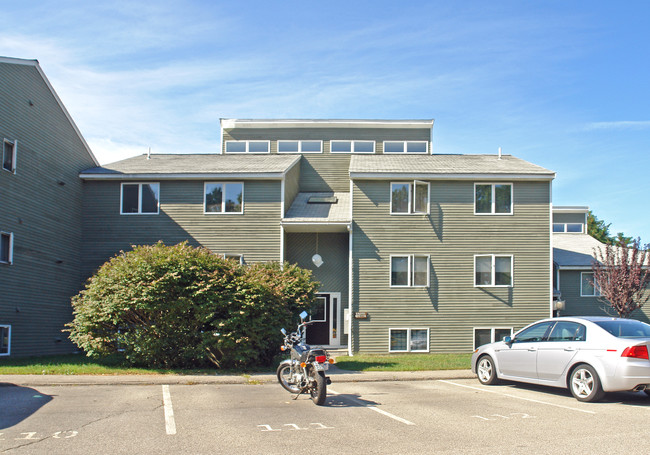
point(8, 327)
point(11, 248)
point(405, 147)
point(139, 212)
point(412, 187)
point(493, 271)
point(597, 292)
point(223, 201)
point(234, 256)
point(565, 228)
point(353, 146)
point(411, 271)
point(408, 339)
point(14, 154)
point(300, 141)
point(492, 333)
point(494, 201)
point(248, 142)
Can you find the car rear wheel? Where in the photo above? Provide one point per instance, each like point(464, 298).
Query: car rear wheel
point(584, 384)
point(486, 371)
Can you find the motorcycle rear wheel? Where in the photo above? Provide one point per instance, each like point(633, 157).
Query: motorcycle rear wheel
point(284, 378)
point(318, 389)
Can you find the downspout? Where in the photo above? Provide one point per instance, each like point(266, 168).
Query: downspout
point(350, 264)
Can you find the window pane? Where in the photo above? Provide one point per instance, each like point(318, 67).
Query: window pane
point(503, 271)
point(311, 146)
point(150, 197)
point(481, 337)
point(503, 196)
point(420, 270)
point(341, 146)
point(500, 334)
point(534, 333)
point(258, 147)
point(213, 197)
point(318, 310)
point(4, 339)
point(416, 147)
point(558, 227)
point(364, 147)
point(483, 198)
point(288, 146)
point(399, 271)
point(234, 197)
point(400, 197)
point(393, 147)
point(130, 196)
point(483, 271)
point(8, 156)
point(419, 339)
point(565, 331)
point(398, 339)
point(5, 247)
point(587, 288)
point(574, 227)
point(421, 200)
point(235, 147)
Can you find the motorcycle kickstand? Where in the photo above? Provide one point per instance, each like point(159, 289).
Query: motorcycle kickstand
point(302, 390)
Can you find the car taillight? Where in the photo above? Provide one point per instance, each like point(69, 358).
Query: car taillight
point(637, 352)
point(321, 358)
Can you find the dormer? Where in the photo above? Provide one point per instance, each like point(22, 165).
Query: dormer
point(570, 219)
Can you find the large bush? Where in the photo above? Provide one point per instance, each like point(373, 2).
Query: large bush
point(179, 306)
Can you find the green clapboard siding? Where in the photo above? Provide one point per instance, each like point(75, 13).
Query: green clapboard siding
point(569, 218)
point(41, 205)
point(255, 233)
point(451, 307)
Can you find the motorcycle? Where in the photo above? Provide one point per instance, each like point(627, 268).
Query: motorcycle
point(305, 370)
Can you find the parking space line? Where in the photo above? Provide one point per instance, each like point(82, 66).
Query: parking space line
point(374, 408)
point(170, 423)
point(515, 396)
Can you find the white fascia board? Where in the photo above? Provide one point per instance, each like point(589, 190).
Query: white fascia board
point(435, 176)
point(570, 209)
point(574, 267)
point(247, 176)
point(324, 123)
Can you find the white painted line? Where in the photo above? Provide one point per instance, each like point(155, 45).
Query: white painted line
point(170, 424)
point(515, 396)
point(374, 408)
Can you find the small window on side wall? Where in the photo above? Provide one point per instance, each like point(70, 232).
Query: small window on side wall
point(9, 152)
point(409, 271)
point(493, 199)
point(223, 197)
point(492, 270)
point(408, 340)
point(490, 335)
point(6, 247)
point(588, 285)
point(409, 197)
point(5, 340)
point(140, 198)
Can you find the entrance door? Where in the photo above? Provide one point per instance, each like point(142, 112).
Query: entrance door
point(325, 330)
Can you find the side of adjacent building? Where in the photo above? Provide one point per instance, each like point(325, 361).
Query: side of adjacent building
point(40, 219)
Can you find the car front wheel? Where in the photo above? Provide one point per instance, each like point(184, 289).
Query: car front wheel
point(486, 371)
point(585, 384)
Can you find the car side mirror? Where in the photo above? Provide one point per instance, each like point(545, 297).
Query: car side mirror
point(284, 332)
point(508, 340)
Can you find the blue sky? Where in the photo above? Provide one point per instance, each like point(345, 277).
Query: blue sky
point(561, 84)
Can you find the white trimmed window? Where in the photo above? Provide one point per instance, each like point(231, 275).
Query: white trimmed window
point(493, 198)
point(5, 340)
point(352, 146)
point(492, 270)
point(409, 271)
point(406, 147)
point(6, 248)
point(222, 197)
point(588, 285)
point(300, 146)
point(485, 335)
point(409, 197)
point(408, 340)
point(568, 227)
point(235, 257)
point(9, 151)
point(140, 198)
point(248, 146)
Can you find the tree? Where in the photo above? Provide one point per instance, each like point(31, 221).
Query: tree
point(622, 275)
point(598, 229)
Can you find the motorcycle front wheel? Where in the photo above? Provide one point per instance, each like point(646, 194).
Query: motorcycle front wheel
point(318, 389)
point(285, 379)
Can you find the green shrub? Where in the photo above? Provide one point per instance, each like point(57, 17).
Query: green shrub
point(179, 306)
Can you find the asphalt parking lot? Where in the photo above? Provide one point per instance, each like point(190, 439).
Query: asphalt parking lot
point(428, 416)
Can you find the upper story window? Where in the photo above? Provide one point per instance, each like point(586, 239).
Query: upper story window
point(6, 247)
point(493, 198)
point(409, 197)
point(409, 271)
point(9, 150)
point(5, 339)
point(248, 147)
point(406, 146)
point(568, 227)
point(221, 197)
point(588, 285)
point(140, 198)
point(492, 270)
point(300, 146)
point(352, 146)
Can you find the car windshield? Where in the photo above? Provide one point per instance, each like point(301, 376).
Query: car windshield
point(626, 328)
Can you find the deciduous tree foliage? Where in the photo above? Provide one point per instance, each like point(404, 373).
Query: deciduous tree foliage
point(622, 275)
point(179, 306)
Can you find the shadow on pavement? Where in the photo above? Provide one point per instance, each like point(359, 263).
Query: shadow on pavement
point(18, 403)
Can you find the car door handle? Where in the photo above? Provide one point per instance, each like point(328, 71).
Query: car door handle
point(569, 349)
point(532, 349)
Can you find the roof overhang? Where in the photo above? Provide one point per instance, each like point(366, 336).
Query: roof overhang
point(313, 226)
point(325, 123)
point(206, 176)
point(450, 176)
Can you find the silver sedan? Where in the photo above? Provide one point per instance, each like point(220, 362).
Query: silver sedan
point(589, 355)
